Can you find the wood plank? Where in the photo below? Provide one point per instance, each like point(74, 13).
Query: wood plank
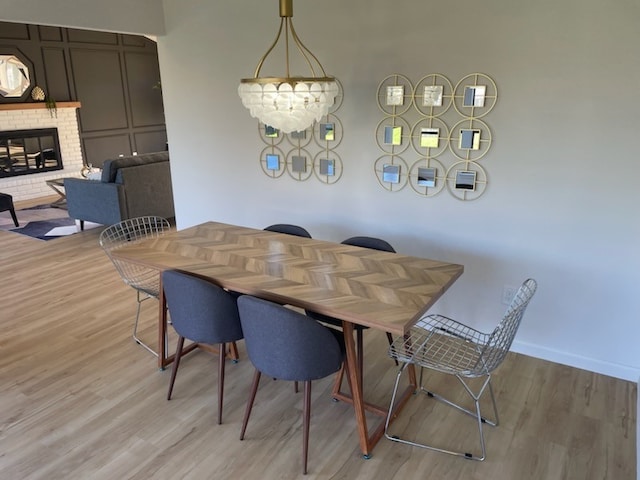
point(37, 105)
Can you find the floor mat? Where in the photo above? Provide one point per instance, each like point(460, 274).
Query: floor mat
point(42, 222)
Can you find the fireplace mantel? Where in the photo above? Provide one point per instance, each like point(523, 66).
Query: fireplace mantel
point(36, 105)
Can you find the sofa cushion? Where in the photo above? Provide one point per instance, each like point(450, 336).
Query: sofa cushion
point(110, 167)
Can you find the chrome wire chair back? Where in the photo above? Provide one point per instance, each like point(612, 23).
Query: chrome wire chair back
point(445, 345)
point(145, 281)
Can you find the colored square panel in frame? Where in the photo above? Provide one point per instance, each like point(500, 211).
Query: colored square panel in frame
point(299, 164)
point(273, 161)
point(327, 167)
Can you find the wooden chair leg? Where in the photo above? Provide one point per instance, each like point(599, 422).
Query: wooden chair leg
point(221, 365)
point(233, 352)
point(252, 397)
point(176, 364)
point(306, 421)
point(337, 383)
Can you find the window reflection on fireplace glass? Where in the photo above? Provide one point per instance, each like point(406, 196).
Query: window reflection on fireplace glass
point(24, 152)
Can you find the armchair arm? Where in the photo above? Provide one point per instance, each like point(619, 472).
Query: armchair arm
point(94, 201)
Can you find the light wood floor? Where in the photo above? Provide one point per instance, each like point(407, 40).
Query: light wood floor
point(80, 400)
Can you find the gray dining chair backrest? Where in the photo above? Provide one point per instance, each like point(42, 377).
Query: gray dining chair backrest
point(289, 230)
point(285, 344)
point(201, 311)
point(370, 242)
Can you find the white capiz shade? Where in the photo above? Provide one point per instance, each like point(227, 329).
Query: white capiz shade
point(288, 108)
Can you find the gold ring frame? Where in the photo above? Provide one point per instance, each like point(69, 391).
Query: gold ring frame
point(436, 143)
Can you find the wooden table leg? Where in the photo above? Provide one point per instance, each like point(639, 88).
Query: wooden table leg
point(356, 388)
point(368, 440)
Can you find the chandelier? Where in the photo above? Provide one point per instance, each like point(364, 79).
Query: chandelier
point(289, 103)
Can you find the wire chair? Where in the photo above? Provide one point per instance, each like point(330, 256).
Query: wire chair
point(146, 281)
point(445, 345)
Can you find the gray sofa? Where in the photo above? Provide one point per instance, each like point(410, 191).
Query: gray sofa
point(130, 187)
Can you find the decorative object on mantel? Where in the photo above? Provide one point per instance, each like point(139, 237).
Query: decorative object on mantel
point(51, 106)
point(289, 103)
point(38, 94)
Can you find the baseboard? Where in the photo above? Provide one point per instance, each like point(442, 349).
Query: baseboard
point(624, 372)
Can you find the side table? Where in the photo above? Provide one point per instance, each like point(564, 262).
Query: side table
point(57, 185)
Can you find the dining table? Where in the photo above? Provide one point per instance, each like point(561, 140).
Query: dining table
point(381, 290)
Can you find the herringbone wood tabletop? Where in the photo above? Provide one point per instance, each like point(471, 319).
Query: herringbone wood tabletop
point(383, 290)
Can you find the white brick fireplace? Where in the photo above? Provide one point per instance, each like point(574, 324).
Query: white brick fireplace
point(35, 115)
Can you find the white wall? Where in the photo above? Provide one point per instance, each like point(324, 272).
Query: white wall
point(561, 201)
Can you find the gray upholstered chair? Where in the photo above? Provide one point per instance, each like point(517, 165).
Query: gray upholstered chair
point(447, 346)
point(287, 345)
point(289, 230)
point(203, 313)
point(364, 242)
point(145, 281)
point(6, 203)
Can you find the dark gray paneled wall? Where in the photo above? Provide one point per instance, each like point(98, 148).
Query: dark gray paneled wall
point(112, 75)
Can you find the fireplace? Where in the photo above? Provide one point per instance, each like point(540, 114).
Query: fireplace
point(30, 171)
point(24, 152)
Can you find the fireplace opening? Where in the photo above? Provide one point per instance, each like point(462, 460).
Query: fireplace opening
point(23, 152)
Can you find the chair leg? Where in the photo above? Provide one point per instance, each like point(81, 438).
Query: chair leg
point(176, 364)
point(337, 383)
point(221, 364)
point(252, 397)
point(306, 421)
point(135, 325)
point(476, 414)
point(233, 352)
point(13, 216)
